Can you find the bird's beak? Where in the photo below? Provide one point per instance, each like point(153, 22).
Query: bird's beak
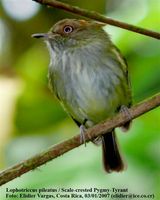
point(40, 35)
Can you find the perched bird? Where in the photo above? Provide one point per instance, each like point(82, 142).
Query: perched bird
point(89, 76)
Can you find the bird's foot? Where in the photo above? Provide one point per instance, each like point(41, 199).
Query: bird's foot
point(82, 134)
point(125, 111)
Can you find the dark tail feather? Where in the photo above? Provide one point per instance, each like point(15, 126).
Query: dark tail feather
point(111, 156)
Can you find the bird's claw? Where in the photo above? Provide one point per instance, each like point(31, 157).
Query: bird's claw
point(125, 111)
point(82, 134)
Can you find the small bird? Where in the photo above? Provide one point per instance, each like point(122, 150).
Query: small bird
point(89, 76)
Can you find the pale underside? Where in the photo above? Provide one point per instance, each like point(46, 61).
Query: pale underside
point(89, 87)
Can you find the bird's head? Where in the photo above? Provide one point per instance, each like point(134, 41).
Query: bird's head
point(70, 33)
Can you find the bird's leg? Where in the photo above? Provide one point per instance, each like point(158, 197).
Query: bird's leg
point(82, 132)
point(125, 111)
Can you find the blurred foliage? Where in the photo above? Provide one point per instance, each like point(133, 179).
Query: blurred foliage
point(39, 121)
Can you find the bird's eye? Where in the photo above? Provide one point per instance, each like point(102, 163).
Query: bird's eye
point(68, 29)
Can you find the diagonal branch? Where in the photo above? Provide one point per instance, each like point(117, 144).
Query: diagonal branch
point(99, 17)
point(63, 147)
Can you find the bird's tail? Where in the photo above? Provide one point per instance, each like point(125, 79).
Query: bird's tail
point(111, 156)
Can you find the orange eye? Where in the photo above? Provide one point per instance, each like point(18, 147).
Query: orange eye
point(67, 29)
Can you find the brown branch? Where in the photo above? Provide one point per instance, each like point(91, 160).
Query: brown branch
point(99, 17)
point(63, 147)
